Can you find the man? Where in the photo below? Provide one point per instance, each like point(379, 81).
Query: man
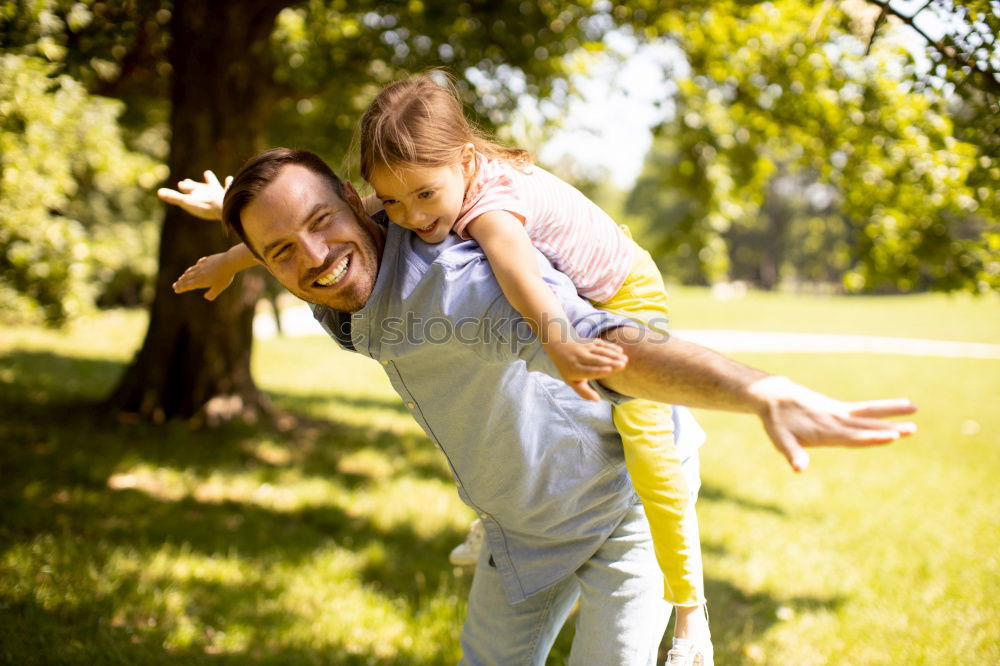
point(542, 468)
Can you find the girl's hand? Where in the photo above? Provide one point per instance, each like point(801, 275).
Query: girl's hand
point(579, 362)
point(212, 273)
point(202, 200)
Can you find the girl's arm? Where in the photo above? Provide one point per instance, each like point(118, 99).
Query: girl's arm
point(513, 260)
point(215, 272)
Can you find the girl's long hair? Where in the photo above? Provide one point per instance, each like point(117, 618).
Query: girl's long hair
point(419, 122)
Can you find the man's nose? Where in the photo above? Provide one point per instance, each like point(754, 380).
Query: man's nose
point(314, 250)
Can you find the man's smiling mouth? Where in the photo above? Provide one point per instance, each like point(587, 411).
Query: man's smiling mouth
point(335, 274)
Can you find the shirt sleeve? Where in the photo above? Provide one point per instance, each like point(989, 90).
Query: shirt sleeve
point(494, 191)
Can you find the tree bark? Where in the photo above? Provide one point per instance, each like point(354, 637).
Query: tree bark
point(195, 359)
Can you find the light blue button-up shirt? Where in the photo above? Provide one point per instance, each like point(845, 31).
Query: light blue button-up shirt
point(543, 468)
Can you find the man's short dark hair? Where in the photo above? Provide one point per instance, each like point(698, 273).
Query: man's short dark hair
point(258, 172)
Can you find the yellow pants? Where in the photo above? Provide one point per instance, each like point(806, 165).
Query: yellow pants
point(647, 432)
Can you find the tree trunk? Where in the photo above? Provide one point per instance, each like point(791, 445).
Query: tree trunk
point(778, 216)
point(195, 360)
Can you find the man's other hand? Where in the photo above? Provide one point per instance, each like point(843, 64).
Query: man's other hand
point(202, 200)
point(796, 417)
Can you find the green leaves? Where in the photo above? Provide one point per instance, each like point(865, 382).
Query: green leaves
point(782, 101)
point(75, 209)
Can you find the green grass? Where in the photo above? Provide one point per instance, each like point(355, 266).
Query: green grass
point(934, 316)
point(871, 557)
point(327, 544)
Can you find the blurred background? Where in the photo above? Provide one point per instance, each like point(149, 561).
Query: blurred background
point(822, 175)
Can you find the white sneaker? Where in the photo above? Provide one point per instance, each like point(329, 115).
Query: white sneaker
point(466, 554)
point(691, 653)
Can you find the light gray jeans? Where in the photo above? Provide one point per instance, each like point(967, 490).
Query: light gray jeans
point(622, 613)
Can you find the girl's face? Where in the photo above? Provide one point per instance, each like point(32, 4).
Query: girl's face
point(424, 199)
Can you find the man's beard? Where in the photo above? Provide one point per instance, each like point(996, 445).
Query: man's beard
point(364, 270)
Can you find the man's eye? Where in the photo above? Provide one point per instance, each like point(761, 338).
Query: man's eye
point(427, 194)
point(283, 253)
point(321, 221)
point(389, 202)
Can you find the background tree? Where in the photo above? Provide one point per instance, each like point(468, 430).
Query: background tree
point(74, 200)
point(232, 77)
point(788, 143)
point(782, 96)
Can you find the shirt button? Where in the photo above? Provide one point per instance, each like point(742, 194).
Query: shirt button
point(385, 362)
point(410, 405)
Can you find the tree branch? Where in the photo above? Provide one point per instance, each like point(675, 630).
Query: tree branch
point(878, 23)
point(948, 52)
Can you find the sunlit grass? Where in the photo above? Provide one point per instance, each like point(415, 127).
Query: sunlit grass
point(933, 316)
point(870, 557)
point(328, 544)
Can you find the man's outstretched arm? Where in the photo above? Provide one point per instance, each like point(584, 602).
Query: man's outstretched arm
point(683, 373)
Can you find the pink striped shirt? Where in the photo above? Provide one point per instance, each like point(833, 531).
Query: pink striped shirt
point(579, 238)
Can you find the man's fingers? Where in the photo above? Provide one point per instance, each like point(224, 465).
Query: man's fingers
point(789, 447)
point(798, 459)
point(878, 425)
point(211, 294)
point(882, 408)
point(864, 434)
point(229, 181)
point(169, 196)
point(211, 178)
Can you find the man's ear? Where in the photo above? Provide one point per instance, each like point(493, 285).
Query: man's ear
point(353, 199)
point(349, 189)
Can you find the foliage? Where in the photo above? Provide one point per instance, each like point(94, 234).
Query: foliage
point(75, 208)
point(787, 136)
point(964, 65)
point(331, 58)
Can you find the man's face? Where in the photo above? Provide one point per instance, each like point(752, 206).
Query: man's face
point(320, 247)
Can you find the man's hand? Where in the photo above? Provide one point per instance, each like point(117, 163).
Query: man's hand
point(796, 417)
point(678, 372)
point(212, 273)
point(202, 200)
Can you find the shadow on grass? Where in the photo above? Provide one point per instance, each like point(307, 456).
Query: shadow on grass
point(41, 378)
point(31, 635)
point(305, 402)
point(58, 452)
point(740, 618)
point(712, 493)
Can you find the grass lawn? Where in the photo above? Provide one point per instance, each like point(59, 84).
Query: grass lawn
point(126, 544)
point(934, 316)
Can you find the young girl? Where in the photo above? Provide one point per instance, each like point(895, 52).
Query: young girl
point(435, 174)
